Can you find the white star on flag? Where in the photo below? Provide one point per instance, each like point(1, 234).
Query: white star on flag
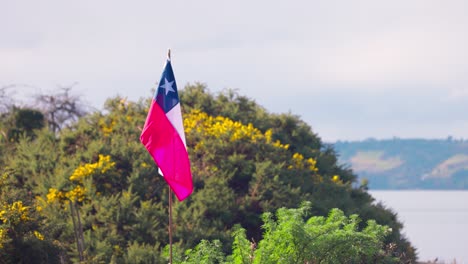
point(167, 86)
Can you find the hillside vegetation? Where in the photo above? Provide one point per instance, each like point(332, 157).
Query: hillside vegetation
point(408, 163)
point(79, 185)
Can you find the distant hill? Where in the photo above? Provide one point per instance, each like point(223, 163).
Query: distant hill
point(408, 163)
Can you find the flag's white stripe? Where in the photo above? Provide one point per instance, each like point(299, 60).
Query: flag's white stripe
point(175, 116)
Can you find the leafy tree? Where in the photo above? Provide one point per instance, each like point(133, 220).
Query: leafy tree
point(291, 237)
point(245, 163)
point(303, 169)
point(21, 122)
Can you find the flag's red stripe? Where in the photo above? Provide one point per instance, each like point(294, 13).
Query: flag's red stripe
point(168, 151)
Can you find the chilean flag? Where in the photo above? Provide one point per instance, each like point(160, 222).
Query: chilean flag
point(164, 138)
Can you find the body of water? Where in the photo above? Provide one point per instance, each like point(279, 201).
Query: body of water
point(435, 222)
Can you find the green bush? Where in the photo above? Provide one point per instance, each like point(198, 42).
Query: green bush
point(290, 237)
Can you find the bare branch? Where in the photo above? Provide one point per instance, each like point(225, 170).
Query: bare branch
point(62, 108)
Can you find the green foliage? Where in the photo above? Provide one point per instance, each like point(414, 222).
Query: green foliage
point(143, 253)
point(22, 122)
point(205, 253)
point(245, 163)
point(22, 237)
point(289, 237)
point(242, 249)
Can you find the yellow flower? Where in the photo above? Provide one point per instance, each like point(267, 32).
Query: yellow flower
point(106, 127)
point(102, 165)
point(3, 237)
point(336, 178)
point(77, 194)
point(2, 215)
point(14, 213)
point(53, 195)
point(40, 203)
point(278, 144)
point(297, 161)
point(268, 135)
point(20, 210)
point(223, 127)
point(312, 164)
point(38, 235)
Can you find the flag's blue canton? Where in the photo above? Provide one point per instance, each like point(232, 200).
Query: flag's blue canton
point(166, 95)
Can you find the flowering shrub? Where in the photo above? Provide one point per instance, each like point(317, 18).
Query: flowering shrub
point(299, 162)
point(15, 218)
point(227, 130)
point(223, 127)
point(13, 214)
point(101, 166)
point(78, 192)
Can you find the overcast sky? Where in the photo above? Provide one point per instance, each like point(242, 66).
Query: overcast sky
point(350, 69)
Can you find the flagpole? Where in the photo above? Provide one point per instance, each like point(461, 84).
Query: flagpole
point(170, 197)
point(170, 225)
